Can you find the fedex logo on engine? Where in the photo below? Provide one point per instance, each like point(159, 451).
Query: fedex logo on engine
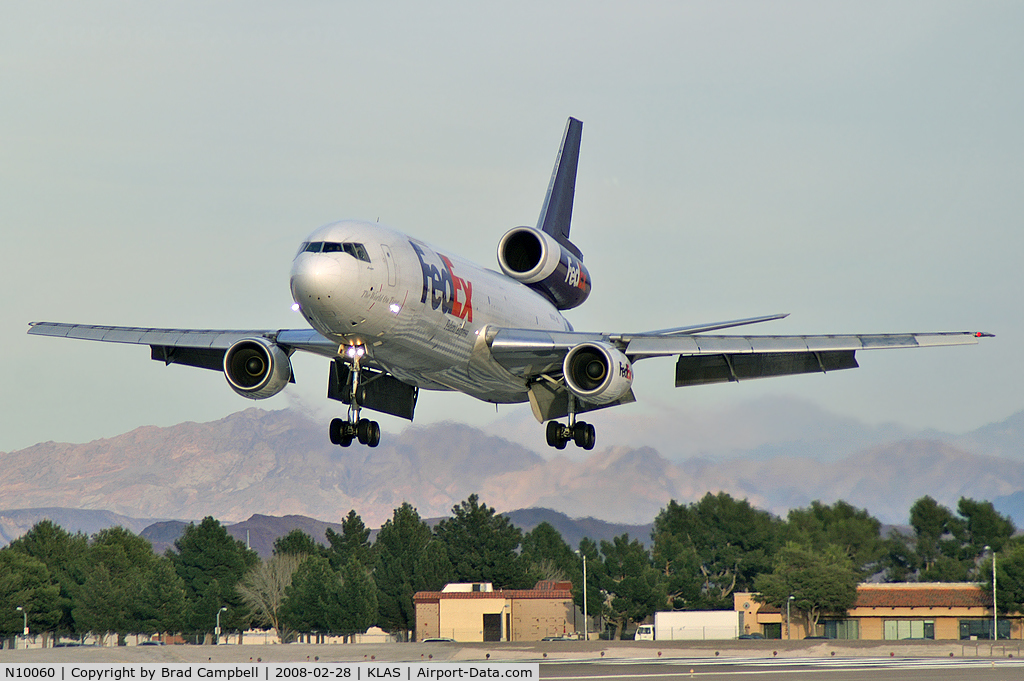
point(575, 275)
point(452, 294)
point(626, 371)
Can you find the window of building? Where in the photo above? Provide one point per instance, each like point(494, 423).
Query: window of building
point(895, 630)
point(773, 630)
point(981, 629)
point(844, 629)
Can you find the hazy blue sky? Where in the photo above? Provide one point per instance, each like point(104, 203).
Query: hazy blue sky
point(858, 165)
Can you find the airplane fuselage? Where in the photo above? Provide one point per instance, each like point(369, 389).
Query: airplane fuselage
point(418, 311)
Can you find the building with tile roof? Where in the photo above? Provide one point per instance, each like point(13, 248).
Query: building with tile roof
point(895, 611)
point(478, 612)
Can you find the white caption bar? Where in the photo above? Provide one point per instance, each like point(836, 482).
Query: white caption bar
point(270, 671)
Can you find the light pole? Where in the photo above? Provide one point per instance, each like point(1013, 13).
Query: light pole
point(995, 615)
point(788, 601)
point(586, 623)
point(217, 630)
point(24, 614)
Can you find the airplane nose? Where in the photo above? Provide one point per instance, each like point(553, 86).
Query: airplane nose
point(315, 279)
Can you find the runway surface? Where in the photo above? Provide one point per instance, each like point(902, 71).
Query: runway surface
point(846, 669)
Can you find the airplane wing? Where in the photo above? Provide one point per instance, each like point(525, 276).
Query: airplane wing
point(701, 359)
point(202, 348)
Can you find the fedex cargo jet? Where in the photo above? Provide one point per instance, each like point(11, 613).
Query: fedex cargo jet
point(397, 315)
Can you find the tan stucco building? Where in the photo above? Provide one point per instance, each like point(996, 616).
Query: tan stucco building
point(477, 612)
point(894, 611)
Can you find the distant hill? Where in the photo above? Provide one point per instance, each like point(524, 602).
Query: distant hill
point(279, 464)
point(260, 531)
point(575, 529)
point(15, 522)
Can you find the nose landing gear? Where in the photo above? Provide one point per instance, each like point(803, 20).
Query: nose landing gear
point(364, 431)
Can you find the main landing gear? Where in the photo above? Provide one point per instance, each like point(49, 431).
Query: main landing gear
point(343, 431)
point(583, 434)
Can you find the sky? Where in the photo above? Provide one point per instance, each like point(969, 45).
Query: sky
point(857, 165)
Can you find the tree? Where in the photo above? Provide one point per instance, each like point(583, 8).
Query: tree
point(983, 526)
point(359, 599)
point(1009, 577)
point(547, 554)
point(64, 554)
point(711, 548)
point(320, 599)
point(120, 570)
point(932, 524)
point(948, 546)
point(26, 582)
point(313, 600)
point(353, 542)
point(633, 588)
point(409, 559)
point(263, 590)
point(211, 563)
point(820, 581)
point(482, 546)
point(297, 543)
point(165, 606)
point(842, 525)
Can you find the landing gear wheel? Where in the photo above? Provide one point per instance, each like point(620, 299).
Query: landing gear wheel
point(337, 431)
point(363, 431)
point(373, 434)
point(346, 440)
point(553, 433)
point(584, 435)
point(590, 438)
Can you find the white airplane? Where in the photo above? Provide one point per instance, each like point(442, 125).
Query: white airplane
point(397, 315)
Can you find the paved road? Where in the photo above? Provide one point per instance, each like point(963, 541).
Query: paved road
point(849, 669)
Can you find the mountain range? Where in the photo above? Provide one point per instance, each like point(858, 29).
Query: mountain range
point(279, 464)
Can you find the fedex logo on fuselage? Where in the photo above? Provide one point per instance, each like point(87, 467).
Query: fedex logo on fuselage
point(452, 294)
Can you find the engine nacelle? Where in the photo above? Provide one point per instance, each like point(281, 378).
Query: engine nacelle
point(536, 259)
point(257, 368)
point(597, 372)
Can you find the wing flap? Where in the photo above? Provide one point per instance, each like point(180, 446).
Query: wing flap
point(704, 369)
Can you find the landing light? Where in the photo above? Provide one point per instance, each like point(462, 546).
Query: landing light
point(395, 307)
point(295, 307)
point(354, 351)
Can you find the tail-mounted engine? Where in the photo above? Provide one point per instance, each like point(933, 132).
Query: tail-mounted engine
point(536, 259)
point(257, 368)
point(597, 372)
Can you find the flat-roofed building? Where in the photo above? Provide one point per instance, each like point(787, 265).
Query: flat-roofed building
point(892, 611)
point(478, 612)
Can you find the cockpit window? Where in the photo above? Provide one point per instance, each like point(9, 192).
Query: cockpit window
point(357, 251)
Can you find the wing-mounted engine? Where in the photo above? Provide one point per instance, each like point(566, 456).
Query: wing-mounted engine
point(597, 372)
point(536, 259)
point(257, 368)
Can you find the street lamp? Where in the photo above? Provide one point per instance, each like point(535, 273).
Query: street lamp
point(586, 623)
point(217, 630)
point(995, 615)
point(24, 614)
point(788, 601)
